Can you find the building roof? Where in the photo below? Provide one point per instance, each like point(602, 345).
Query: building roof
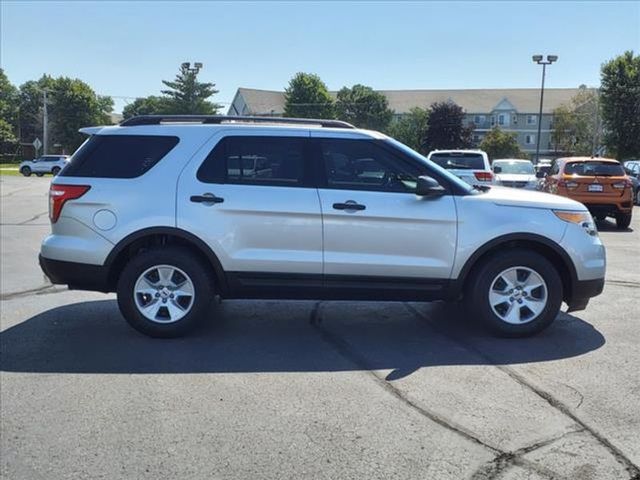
point(524, 100)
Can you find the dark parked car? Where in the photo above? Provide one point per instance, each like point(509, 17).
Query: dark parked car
point(632, 169)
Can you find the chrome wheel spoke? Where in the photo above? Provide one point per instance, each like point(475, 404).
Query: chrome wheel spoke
point(152, 308)
point(166, 274)
point(174, 309)
point(497, 297)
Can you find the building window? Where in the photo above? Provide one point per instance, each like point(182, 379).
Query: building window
point(514, 119)
point(476, 139)
point(493, 120)
point(501, 119)
point(478, 119)
point(530, 139)
point(532, 119)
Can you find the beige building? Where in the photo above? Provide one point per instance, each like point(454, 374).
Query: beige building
point(512, 109)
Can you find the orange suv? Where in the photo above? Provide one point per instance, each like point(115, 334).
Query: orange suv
point(599, 183)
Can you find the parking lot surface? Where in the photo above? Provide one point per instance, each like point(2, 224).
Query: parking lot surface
point(272, 389)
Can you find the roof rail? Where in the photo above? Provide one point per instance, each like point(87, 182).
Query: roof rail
point(218, 119)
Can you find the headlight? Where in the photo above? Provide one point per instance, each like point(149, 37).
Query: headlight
point(584, 219)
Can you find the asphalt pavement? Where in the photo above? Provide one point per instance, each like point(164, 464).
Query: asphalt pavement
point(313, 390)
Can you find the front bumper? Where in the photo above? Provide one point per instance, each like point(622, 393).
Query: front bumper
point(78, 276)
point(582, 291)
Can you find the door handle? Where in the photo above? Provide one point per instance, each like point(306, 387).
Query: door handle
point(349, 205)
point(206, 198)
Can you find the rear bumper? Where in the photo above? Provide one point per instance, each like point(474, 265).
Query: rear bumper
point(78, 276)
point(610, 209)
point(583, 290)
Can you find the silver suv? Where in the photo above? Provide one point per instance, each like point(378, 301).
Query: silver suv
point(52, 164)
point(170, 211)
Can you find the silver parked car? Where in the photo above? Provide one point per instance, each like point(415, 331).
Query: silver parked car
point(170, 211)
point(51, 164)
point(516, 173)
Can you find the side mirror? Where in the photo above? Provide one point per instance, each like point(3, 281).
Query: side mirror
point(429, 187)
point(497, 169)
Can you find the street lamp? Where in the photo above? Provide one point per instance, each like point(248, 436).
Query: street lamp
point(196, 67)
point(539, 60)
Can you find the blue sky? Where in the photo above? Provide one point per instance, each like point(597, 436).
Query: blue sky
point(124, 49)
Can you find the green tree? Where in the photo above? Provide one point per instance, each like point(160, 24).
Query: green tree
point(620, 98)
point(73, 105)
point(363, 107)
point(499, 144)
point(152, 105)
point(186, 95)
point(411, 129)
point(8, 115)
point(446, 128)
point(577, 124)
point(308, 97)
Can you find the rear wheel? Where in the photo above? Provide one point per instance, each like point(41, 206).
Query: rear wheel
point(26, 171)
point(516, 293)
point(623, 220)
point(165, 292)
point(55, 171)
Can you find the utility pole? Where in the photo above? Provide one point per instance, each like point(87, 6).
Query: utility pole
point(596, 126)
point(45, 126)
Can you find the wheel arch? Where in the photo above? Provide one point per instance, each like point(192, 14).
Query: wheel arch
point(159, 236)
point(546, 247)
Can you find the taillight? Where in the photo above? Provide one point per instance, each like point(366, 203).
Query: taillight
point(59, 194)
point(624, 184)
point(483, 176)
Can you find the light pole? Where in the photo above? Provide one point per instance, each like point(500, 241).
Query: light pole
point(538, 59)
point(196, 67)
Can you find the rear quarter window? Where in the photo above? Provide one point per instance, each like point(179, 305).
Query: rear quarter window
point(118, 156)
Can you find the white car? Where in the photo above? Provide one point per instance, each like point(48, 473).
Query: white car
point(472, 166)
point(516, 173)
point(170, 211)
point(52, 164)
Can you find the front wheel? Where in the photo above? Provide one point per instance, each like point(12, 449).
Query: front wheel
point(26, 171)
point(623, 220)
point(516, 293)
point(165, 292)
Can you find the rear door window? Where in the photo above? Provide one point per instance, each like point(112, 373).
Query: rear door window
point(591, 169)
point(258, 160)
point(459, 161)
point(118, 156)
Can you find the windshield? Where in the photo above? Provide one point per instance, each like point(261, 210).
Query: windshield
point(412, 153)
point(462, 160)
point(514, 166)
point(594, 168)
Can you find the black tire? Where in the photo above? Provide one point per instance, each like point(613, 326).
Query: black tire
point(623, 220)
point(477, 296)
point(39, 174)
point(177, 257)
point(26, 171)
point(55, 171)
point(637, 197)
